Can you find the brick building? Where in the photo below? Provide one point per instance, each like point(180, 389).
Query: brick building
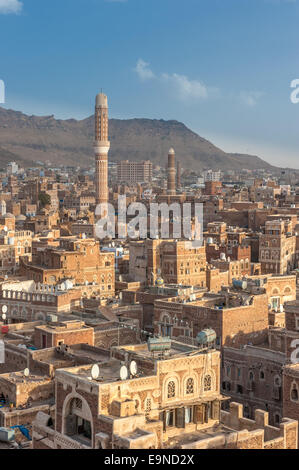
point(277, 248)
point(173, 402)
point(65, 332)
point(237, 317)
point(77, 259)
point(173, 261)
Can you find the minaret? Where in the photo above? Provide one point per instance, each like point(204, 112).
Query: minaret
point(178, 175)
point(171, 173)
point(101, 148)
point(3, 207)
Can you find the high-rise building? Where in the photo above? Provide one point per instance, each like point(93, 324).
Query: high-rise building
point(134, 172)
point(101, 148)
point(12, 168)
point(210, 175)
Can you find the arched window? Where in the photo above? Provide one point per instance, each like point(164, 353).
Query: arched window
point(171, 389)
point(277, 381)
point(76, 403)
point(207, 383)
point(190, 386)
point(262, 375)
point(74, 422)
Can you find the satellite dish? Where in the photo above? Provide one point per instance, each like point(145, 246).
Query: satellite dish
point(4, 309)
point(133, 368)
point(123, 373)
point(68, 284)
point(95, 372)
point(5, 229)
point(26, 372)
point(3, 316)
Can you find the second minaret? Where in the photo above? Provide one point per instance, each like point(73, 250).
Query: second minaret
point(171, 173)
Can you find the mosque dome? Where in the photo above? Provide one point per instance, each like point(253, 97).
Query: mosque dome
point(159, 282)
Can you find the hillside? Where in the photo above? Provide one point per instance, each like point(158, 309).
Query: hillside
point(29, 139)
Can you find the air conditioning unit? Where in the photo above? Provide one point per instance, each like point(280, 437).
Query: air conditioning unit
point(52, 318)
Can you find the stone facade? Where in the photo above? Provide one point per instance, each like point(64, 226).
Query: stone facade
point(277, 248)
point(171, 260)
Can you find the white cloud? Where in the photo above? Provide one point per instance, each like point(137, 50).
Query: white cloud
point(10, 6)
point(143, 70)
point(186, 88)
point(250, 98)
point(189, 90)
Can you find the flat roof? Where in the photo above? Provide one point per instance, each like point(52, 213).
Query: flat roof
point(19, 378)
point(62, 327)
point(109, 371)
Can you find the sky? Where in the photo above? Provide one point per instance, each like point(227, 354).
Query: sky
point(222, 67)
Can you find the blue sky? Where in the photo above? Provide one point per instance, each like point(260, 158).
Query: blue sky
point(223, 67)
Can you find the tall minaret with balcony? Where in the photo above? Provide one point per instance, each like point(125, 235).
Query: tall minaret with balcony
point(171, 172)
point(101, 148)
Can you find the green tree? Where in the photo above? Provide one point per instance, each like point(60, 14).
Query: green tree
point(44, 199)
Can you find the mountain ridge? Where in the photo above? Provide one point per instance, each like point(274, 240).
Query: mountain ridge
point(28, 139)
